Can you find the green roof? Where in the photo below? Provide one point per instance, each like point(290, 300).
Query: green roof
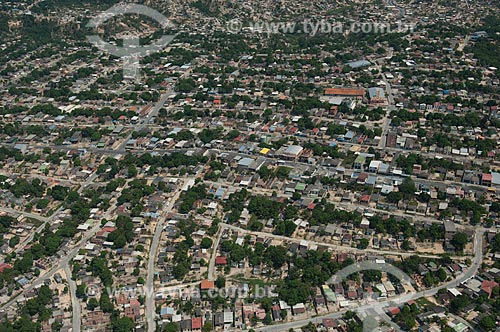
point(300, 186)
point(460, 327)
point(360, 159)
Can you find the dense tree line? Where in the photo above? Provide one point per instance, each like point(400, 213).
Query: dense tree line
point(124, 232)
point(191, 196)
point(392, 226)
point(325, 213)
point(37, 306)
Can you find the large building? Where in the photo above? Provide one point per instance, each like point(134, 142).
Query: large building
point(376, 95)
point(292, 152)
point(345, 92)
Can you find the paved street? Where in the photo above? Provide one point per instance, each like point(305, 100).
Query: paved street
point(150, 305)
point(390, 108)
point(20, 247)
point(337, 248)
point(381, 306)
point(75, 302)
point(65, 260)
point(375, 145)
point(211, 264)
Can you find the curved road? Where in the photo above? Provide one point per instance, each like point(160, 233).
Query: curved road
point(380, 306)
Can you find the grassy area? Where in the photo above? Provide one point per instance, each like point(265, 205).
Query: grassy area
point(35, 222)
point(250, 281)
point(423, 302)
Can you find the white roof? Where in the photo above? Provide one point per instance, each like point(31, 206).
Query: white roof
point(381, 288)
point(443, 205)
point(189, 183)
point(299, 306)
point(495, 178)
point(228, 317)
point(454, 291)
point(284, 305)
point(386, 189)
point(293, 150)
point(389, 286)
point(344, 304)
point(83, 227)
point(79, 258)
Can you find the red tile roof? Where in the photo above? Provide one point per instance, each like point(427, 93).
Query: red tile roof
point(487, 177)
point(135, 303)
point(220, 260)
point(329, 322)
point(394, 311)
point(344, 92)
point(196, 323)
point(207, 284)
point(487, 286)
point(4, 267)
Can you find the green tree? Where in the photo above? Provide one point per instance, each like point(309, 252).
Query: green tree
point(267, 320)
point(487, 323)
point(459, 241)
point(458, 303)
point(220, 282)
point(92, 304)
point(59, 192)
point(363, 244)
point(407, 188)
point(394, 197)
point(206, 243)
point(207, 327)
point(14, 241)
point(42, 203)
point(122, 324)
point(105, 303)
point(171, 327)
point(81, 292)
point(24, 264)
point(132, 171)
